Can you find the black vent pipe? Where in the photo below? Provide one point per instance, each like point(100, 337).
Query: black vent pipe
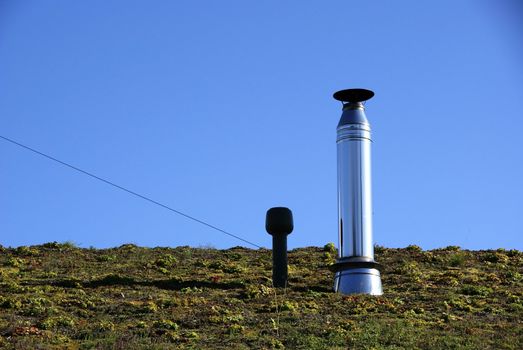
point(279, 224)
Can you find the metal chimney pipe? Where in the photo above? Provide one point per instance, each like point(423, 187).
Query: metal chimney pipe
point(356, 272)
point(279, 224)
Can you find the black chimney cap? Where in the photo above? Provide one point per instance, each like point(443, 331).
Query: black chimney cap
point(353, 95)
point(279, 221)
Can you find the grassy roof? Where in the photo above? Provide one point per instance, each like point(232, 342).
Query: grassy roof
point(58, 296)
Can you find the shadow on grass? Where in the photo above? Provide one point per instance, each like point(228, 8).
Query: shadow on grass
point(117, 280)
point(317, 289)
point(175, 284)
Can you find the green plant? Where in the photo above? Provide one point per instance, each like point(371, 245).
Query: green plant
point(460, 304)
point(105, 326)
point(35, 306)
point(476, 290)
point(14, 262)
point(330, 248)
point(378, 249)
point(414, 248)
point(68, 245)
point(10, 303)
point(51, 245)
point(166, 261)
point(165, 325)
point(452, 248)
point(12, 287)
point(496, 257)
point(288, 306)
point(150, 306)
point(105, 258)
point(513, 276)
point(457, 259)
point(57, 321)
point(513, 253)
point(140, 325)
point(253, 291)
point(236, 328)
point(26, 251)
point(515, 307)
point(192, 335)
point(191, 290)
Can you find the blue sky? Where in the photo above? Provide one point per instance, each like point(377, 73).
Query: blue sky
point(224, 109)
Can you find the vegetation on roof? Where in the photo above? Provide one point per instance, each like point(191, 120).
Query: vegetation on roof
point(58, 296)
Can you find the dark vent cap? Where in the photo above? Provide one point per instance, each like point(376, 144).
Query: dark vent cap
point(353, 95)
point(279, 221)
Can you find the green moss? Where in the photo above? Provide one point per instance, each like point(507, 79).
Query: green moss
point(141, 325)
point(26, 251)
point(414, 248)
point(14, 262)
point(289, 306)
point(452, 248)
point(253, 291)
point(194, 335)
point(105, 326)
point(105, 258)
point(165, 325)
point(10, 302)
point(57, 322)
point(457, 259)
point(236, 328)
point(496, 257)
point(476, 290)
point(166, 261)
point(513, 276)
point(57, 297)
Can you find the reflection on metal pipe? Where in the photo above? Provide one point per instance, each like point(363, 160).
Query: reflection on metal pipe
point(356, 272)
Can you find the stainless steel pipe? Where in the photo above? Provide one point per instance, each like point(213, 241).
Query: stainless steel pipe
point(356, 272)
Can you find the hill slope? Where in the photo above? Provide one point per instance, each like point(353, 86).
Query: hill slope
point(59, 296)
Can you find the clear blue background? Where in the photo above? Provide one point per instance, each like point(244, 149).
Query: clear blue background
point(222, 109)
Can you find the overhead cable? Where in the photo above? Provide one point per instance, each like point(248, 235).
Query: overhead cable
point(128, 191)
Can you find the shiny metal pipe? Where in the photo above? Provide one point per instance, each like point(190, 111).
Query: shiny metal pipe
point(356, 271)
point(354, 183)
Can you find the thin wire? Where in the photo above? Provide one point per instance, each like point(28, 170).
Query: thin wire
point(129, 191)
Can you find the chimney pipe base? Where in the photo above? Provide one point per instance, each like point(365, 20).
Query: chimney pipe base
point(361, 280)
